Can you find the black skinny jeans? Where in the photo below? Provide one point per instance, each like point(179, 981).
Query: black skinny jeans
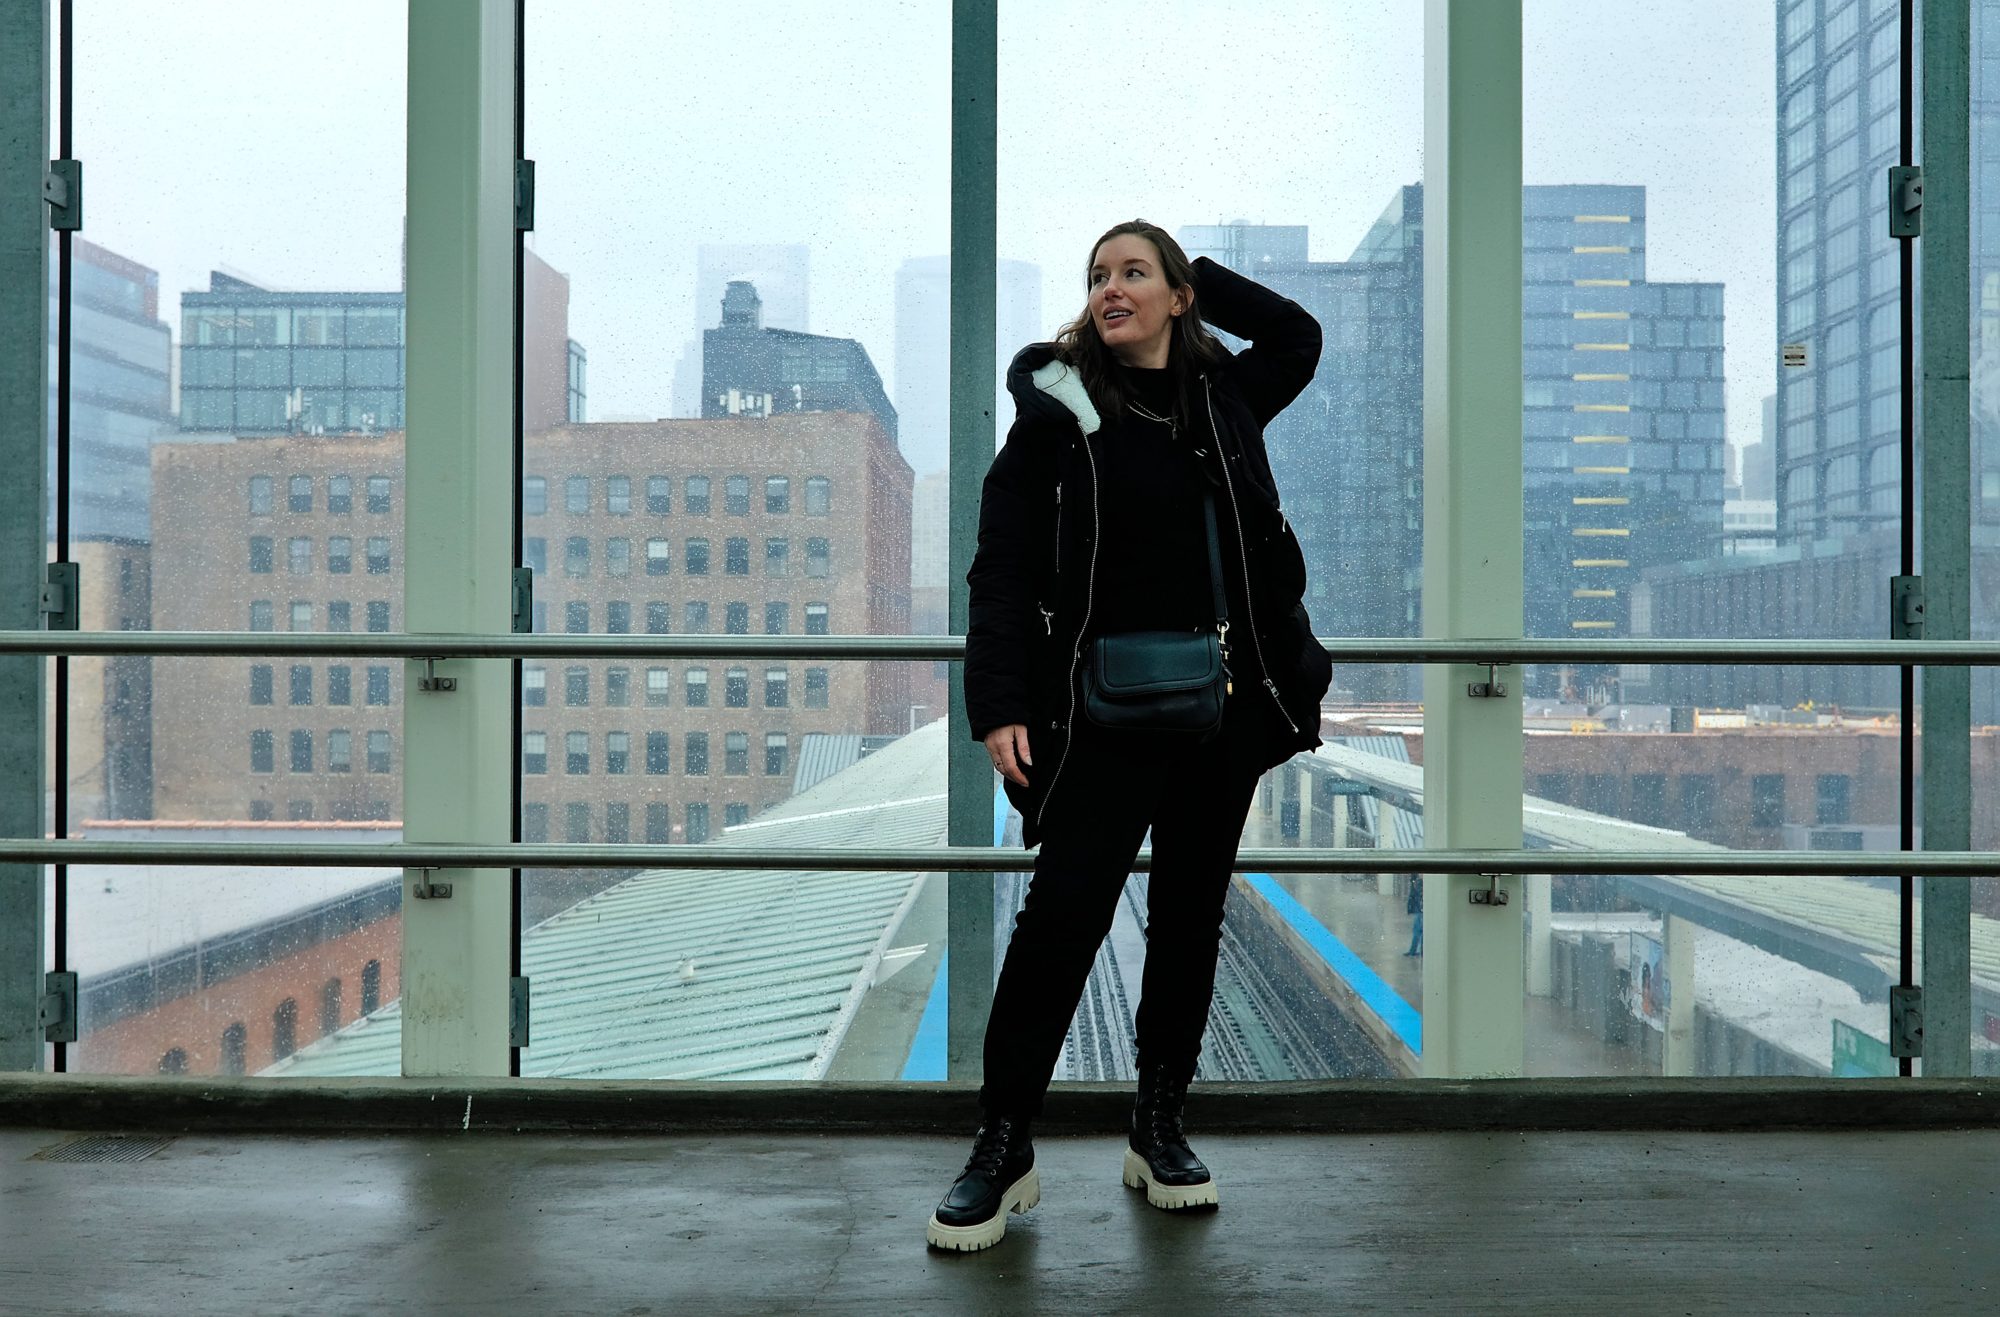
point(1195, 800)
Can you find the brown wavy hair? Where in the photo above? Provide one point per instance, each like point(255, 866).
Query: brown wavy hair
point(1191, 349)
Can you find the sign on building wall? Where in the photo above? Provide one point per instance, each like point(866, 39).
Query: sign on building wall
point(1858, 1055)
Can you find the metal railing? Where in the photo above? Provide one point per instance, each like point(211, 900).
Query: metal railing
point(1500, 650)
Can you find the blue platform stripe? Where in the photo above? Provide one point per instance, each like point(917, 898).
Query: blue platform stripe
point(926, 1058)
point(1403, 1019)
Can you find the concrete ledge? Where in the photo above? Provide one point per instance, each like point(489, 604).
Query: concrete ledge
point(346, 1106)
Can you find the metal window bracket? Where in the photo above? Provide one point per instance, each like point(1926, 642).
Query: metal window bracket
point(524, 195)
point(524, 600)
point(1492, 688)
point(1906, 608)
point(59, 596)
point(428, 888)
point(55, 1014)
point(62, 188)
point(1906, 201)
point(1906, 1020)
point(517, 1011)
point(1491, 894)
point(430, 681)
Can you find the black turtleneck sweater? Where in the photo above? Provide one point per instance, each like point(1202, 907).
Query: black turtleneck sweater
point(1152, 555)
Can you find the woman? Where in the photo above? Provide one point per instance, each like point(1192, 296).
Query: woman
point(1091, 524)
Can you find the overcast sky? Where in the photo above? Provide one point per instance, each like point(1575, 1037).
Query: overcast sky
point(270, 138)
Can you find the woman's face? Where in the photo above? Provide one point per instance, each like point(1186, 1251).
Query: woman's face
point(1130, 303)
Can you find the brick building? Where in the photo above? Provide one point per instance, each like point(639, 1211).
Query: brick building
point(795, 524)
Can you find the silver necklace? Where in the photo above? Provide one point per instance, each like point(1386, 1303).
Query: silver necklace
point(1173, 426)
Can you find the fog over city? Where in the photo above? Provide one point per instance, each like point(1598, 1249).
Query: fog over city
point(270, 139)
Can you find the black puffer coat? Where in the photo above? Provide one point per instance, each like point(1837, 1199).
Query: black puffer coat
point(1032, 577)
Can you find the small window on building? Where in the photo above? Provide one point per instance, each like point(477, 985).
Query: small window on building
point(819, 557)
point(535, 496)
point(694, 688)
point(816, 620)
point(659, 495)
point(299, 494)
point(736, 496)
point(736, 688)
point(694, 617)
point(617, 823)
point(816, 688)
point(260, 683)
point(819, 496)
point(659, 756)
point(340, 555)
point(736, 619)
point(285, 1029)
point(378, 752)
point(659, 618)
point(775, 757)
point(340, 684)
point(659, 829)
point(659, 688)
point(260, 555)
point(736, 753)
point(777, 619)
point(534, 821)
point(576, 617)
point(340, 751)
point(301, 615)
point(617, 687)
point(378, 555)
point(576, 754)
point(576, 686)
point(618, 556)
point(736, 556)
point(260, 496)
point(378, 616)
point(534, 753)
point(697, 557)
point(777, 688)
point(659, 556)
point(174, 1062)
point(618, 617)
point(378, 494)
point(697, 822)
point(262, 756)
point(378, 684)
point(576, 556)
point(617, 753)
point(777, 495)
point(339, 616)
point(302, 683)
point(696, 754)
point(535, 554)
point(576, 496)
point(302, 750)
point(618, 495)
point(1767, 800)
point(329, 1007)
point(534, 685)
point(298, 556)
point(371, 987)
point(696, 502)
point(235, 1049)
point(260, 615)
point(1830, 804)
point(340, 495)
point(777, 557)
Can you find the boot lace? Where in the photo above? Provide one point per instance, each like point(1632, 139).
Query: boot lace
point(990, 1148)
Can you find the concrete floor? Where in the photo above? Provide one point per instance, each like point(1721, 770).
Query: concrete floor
point(1507, 1223)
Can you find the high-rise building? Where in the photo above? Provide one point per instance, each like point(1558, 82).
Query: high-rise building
point(1837, 463)
point(795, 524)
point(256, 361)
point(781, 272)
point(1622, 426)
point(923, 351)
point(120, 393)
point(749, 369)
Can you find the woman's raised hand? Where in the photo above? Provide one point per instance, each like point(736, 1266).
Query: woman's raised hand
point(1008, 748)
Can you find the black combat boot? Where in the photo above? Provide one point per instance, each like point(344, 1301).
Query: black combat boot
point(999, 1178)
point(1159, 1160)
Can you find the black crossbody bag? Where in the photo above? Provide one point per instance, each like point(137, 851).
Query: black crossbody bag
point(1171, 683)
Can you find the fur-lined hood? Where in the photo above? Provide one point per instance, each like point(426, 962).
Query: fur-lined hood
point(1044, 385)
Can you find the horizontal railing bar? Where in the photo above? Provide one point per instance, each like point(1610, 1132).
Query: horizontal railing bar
point(543, 855)
point(287, 644)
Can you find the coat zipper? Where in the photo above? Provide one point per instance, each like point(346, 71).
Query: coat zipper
point(1243, 556)
point(1076, 647)
point(1058, 528)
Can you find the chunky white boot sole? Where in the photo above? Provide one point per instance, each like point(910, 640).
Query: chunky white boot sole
point(1168, 1197)
point(1021, 1195)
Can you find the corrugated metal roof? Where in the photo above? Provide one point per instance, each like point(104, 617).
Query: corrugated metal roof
point(1867, 916)
point(716, 973)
